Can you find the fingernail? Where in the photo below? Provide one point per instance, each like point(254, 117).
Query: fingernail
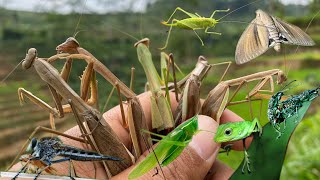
point(203, 142)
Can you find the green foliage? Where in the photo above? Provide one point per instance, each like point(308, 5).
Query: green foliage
point(267, 152)
point(302, 161)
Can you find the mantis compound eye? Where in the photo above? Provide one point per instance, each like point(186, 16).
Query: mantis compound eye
point(228, 131)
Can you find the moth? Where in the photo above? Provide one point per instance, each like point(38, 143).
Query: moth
point(266, 31)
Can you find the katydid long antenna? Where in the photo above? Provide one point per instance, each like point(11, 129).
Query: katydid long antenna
point(238, 9)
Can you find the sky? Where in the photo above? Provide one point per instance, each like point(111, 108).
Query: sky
point(90, 5)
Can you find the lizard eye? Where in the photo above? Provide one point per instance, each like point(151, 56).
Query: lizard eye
point(228, 131)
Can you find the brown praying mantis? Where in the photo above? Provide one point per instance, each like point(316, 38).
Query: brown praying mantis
point(135, 115)
point(218, 98)
point(98, 133)
point(189, 104)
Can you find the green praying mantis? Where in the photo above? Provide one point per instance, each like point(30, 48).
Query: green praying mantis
point(172, 145)
point(160, 108)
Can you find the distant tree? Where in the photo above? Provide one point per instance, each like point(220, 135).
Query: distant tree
point(314, 6)
point(276, 8)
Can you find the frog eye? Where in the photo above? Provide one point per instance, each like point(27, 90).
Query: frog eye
point(228, 131)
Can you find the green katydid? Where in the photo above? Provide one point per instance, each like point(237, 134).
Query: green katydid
point(169, 147)
point(195, 22)
point(234, 131)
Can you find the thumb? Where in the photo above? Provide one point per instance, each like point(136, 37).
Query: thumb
point(194, 162)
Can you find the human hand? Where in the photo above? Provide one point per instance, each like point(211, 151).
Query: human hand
point(197, 161)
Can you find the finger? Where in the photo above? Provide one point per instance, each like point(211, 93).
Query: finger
point(219, 171)
point(195, 160)
point(114, 118)
point(229, 116)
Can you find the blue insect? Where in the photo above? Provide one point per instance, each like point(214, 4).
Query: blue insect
point(279, 111)
point(48, 148)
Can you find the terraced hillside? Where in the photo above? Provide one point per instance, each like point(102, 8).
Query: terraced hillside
point(17, 122)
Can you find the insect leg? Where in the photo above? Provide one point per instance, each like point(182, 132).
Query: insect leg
point(197, 15)
point(225, 71)
point(180, 9)
point(198, 37)
point(174, 75)
point(65, 72)
point(176, 143)
point(155, 134)
point(108, 99)
point(21, 170)
point(261, 84)
point(211, 32)
point(24, 93)
point(221, 10)
point(41, 170)
point(169, 32)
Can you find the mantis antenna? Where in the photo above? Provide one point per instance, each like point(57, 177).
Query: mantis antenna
point(7, 76)
point(79, 20)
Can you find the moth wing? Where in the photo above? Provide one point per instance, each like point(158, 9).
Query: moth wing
point(292, 34)
point(253, 42)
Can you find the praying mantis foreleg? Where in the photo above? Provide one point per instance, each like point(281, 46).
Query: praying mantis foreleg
point(135, 116)
point(98, 129)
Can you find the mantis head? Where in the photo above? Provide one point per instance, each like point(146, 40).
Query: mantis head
point(145, 41)
point(281, 77)
point(29, 59)
point(69, 46)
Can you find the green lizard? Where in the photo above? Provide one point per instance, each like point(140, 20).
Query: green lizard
point(234, 131)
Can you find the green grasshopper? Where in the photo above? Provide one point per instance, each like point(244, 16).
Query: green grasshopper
point(169, 147)
point(234, 131)
point(194, 22)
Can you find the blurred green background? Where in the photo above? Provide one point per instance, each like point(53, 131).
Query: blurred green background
point(104, 33)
